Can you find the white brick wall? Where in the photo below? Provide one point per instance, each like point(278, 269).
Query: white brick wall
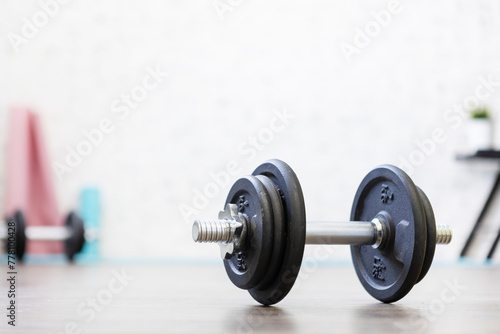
point(226, 78)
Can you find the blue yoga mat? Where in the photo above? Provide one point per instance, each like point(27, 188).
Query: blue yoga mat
point(90, 211)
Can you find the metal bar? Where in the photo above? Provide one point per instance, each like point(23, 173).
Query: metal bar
point(340, 233)
point(481, 216)
point(47, 233)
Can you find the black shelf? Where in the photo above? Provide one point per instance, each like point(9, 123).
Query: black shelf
point(481, 154)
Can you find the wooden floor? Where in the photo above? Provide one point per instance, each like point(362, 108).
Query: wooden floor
point(182, 299)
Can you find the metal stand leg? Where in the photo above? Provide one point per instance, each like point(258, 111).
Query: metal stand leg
point(481, 216)
point(493, 247)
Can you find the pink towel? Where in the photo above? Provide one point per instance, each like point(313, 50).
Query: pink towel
point(29, 186)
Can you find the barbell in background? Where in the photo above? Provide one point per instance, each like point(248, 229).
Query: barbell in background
point(72, 234)
point(262, 232)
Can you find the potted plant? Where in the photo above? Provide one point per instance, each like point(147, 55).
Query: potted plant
point(480, 132)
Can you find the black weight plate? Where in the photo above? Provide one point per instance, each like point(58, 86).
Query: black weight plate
point(20, 225)
point(292, 200)
point(388, 274)
point(260, 293)
point(76, 240)
point(431, 234)
point(248, 267)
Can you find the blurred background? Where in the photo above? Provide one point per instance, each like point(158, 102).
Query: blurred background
point(161, 105)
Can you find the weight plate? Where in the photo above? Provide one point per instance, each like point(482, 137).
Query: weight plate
point(431, 234)
point(248, 267)
point(260, 292)
point(389, 273)
point(292, 199)
point(20, 225)
point(76, 239)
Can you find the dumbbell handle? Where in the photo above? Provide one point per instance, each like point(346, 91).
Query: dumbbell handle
point(43, 233)
point(342, 233)
point(49, 233)
point(318, 233)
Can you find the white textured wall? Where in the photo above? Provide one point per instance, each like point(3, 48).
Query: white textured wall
point(226, 79)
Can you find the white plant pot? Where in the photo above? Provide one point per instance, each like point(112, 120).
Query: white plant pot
point(480, 134)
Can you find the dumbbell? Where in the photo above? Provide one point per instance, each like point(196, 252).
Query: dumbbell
point(72, 234)
point(262, 232)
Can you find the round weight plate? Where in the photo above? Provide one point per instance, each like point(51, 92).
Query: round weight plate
point(259, 292)
point(294, 210)
point(20, 225)
point(76, 240)
point(431, 234)
point(388, 274)
point(248, 267)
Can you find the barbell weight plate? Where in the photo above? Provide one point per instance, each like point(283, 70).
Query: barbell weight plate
point(74, 243)
point(389, 273)
point(431, 234)
point(20, 235)
point(290, 191)
point(261, 292)
point(248, 267)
